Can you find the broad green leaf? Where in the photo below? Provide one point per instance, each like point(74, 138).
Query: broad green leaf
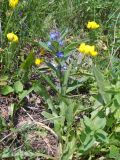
point(71, 47)
point(65, 79)
point(44, 45)
point(88, 122)
point(101, 85)
point(114, 152)
point(3, 80)
point(117, 97)
point(69, 114)
point(47, 115)
point(102, 136)
point(28, 62)
point(89, 142)
point(6, 90)
point(99, 123)
point(69, 150)
point(39, 88)
point(69, 89)
point(48, 80)
point(18, 87)
point(25, 93)
point(54, 69)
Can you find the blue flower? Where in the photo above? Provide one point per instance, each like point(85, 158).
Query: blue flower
point(60, 54)
point(20, 13)
point(54, 35)
point(61, 43)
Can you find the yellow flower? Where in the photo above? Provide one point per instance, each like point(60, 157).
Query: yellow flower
point(92, 48)
point(94, 53)
point(13, 3)
point(87, 49)
point(38, 61)
point(12, 37)
point(81, 48)
point(15, 38)
point(92, 25)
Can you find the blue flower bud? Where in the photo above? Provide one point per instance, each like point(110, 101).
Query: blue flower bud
point(54, 35)
point(60, 54)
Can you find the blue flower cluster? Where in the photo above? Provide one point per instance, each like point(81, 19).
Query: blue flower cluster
point(55, 36)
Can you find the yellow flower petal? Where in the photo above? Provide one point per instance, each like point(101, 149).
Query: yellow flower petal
point(92, 25)
point(15, 38)
point(94, 53)
point(12, 37)
point(38, 61)
point(13, 3)
point(87, 49)
point(82, 48)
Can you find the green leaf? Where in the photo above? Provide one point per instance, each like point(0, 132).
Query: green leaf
point(25, 93)
point(44, 45)
point(89, 142)
point(117, 97)
point(71, 47)
point(18, 87)
point(117, 114)
point(102, 85)
point(6, 90)
point(88, 122)
point(99, 123)
point(65, 79)
point(3, 80)
point(28, 62)
point(47, 115)
point(64, 33)
point(69, 150)
point(48, 80)
point(40, 89)
point(69, 89)
point(102, 136)
point(114, 152)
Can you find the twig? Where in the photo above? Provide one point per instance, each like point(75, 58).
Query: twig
point(6, 137)
point(18, 147)
point(41, 124)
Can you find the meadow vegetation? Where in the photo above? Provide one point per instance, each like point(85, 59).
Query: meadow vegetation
point(60, 79)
